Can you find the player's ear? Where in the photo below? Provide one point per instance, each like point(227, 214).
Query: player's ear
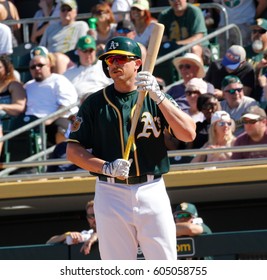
point(138, 64)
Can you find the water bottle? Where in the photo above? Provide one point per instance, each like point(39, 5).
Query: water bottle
point(92, 23)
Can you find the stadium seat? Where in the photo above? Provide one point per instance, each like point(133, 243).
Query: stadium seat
point(21, 58)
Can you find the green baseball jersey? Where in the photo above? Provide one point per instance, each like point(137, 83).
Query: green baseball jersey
point(185, 26)
point(103, 124)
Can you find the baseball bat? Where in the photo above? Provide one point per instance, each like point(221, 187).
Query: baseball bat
point(151, 56)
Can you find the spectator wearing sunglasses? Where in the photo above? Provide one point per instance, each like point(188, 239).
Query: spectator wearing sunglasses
point(105, 25)
point(208, 104)
point(194, 88)
point(187, 221)
point(255, 133)
point(87, 237)
point(142, 20)
point(235, 102)
point(46, 93)
point(62, 36)
point(220, 135)
point(125, 28)
point(233, 63)
point(188, 66)
point(87, 76)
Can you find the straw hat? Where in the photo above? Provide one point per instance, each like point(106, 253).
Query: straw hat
point(193, 58)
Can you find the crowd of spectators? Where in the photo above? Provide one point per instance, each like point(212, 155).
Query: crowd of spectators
point(68, 51)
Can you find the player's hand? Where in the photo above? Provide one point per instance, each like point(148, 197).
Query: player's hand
point(145, 81)
point(117, 168)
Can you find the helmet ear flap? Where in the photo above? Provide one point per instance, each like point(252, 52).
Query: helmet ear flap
point(105, 68)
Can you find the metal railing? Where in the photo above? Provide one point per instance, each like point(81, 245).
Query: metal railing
point(199, 41)
point(31, 162)
point(27, 22)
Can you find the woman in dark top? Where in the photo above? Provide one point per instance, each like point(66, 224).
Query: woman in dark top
point(12, 93)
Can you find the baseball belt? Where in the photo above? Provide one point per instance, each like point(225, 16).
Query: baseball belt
point(131, 180)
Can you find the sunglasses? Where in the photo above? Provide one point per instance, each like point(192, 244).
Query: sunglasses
point(39, 65)
point(244, 121)
point(189, 93)
point(261, 31)
point(91, 216)
point(186, 66)
point(123, 31)
point(120, 59)
point(233, 91)
point(224, 123)
point(99, 13)
point(65, 9)
point(209, 106)
point(183, 215)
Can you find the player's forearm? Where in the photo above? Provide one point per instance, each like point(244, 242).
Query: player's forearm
point(182, 124)
point(84, 159)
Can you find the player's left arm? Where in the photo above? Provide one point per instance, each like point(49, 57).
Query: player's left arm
point(182, 125)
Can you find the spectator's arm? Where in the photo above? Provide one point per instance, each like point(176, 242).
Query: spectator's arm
point(87, 245)
point(18, 96)
point(189, 229)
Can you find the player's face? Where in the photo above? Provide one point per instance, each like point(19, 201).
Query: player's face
point(122, 67)
point(87, 57)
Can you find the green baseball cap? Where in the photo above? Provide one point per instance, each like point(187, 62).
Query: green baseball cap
point(185, 207)
point(230, 79)
point(261, 22)
point(86, 42)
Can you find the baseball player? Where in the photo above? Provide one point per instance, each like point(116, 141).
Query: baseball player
point(131, 203)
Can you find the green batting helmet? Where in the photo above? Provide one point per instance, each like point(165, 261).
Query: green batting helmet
point(120, 45)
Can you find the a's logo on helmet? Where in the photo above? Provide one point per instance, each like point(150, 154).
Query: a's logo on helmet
point(113, 45)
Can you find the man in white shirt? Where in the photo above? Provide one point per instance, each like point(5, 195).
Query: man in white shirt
point(6, 40)
point(47, 93)
point(88, 76)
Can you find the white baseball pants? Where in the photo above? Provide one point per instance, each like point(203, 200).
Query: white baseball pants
point(128, 215)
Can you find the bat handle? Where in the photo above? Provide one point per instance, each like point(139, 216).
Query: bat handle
point(128, 148)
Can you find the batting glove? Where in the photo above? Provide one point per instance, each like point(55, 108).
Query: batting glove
point(117, 168)
point(145, 81)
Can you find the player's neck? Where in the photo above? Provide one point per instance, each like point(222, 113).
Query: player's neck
point(124, 87)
